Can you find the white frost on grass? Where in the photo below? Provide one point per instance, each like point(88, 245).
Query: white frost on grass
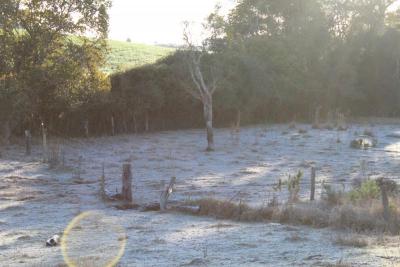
point(36, 203)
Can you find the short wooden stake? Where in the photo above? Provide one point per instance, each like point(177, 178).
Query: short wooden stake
point(126, 183)
point(312, 195)
point(28, 142)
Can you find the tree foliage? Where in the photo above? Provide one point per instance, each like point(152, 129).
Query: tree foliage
point(49, 63)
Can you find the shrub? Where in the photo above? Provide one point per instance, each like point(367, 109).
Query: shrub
point(367, 191)
point(332, 196)
point(294, 186)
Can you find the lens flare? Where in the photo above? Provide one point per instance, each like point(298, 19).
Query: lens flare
point(93, 239)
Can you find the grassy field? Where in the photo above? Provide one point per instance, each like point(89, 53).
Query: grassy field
point(234, 185)
point(125, 55)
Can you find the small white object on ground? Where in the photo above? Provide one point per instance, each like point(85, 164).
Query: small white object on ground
point(53, 241)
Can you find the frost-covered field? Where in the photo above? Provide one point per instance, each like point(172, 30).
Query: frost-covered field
point(36, 203)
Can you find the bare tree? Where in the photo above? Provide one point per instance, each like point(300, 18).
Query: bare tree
point(203, 89)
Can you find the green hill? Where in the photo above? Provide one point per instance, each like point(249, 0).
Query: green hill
point(125, 55)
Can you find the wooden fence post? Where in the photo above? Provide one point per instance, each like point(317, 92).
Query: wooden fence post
point(44, 137)
point(316, 124)
point(146, 122)
point(385, 202)
point(78, 174)
point(6, 132)
point(126, 183)
point(86, 127)
point(112, 126)
point(63, 158)
point(28, 142)
point(312, 195)
point(102, 183)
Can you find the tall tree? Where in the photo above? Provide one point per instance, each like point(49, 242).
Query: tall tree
point(48, 56)
point(204, 86)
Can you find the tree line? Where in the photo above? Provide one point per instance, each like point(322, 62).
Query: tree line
point(279, 61)
point(269, 61)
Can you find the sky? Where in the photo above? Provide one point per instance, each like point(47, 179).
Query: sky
point(394, 6)
point(159, 21)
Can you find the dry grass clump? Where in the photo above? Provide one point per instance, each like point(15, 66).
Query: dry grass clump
point(230, 211)
point(344, 215)
point(303, 214)
point(360, 210)
point(358, 218)
point(351, 241)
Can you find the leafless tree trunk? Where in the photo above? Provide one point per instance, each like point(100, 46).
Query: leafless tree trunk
point(208, 118)
point(202, 91)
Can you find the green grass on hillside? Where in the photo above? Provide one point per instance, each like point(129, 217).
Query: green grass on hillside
point(125, 55)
